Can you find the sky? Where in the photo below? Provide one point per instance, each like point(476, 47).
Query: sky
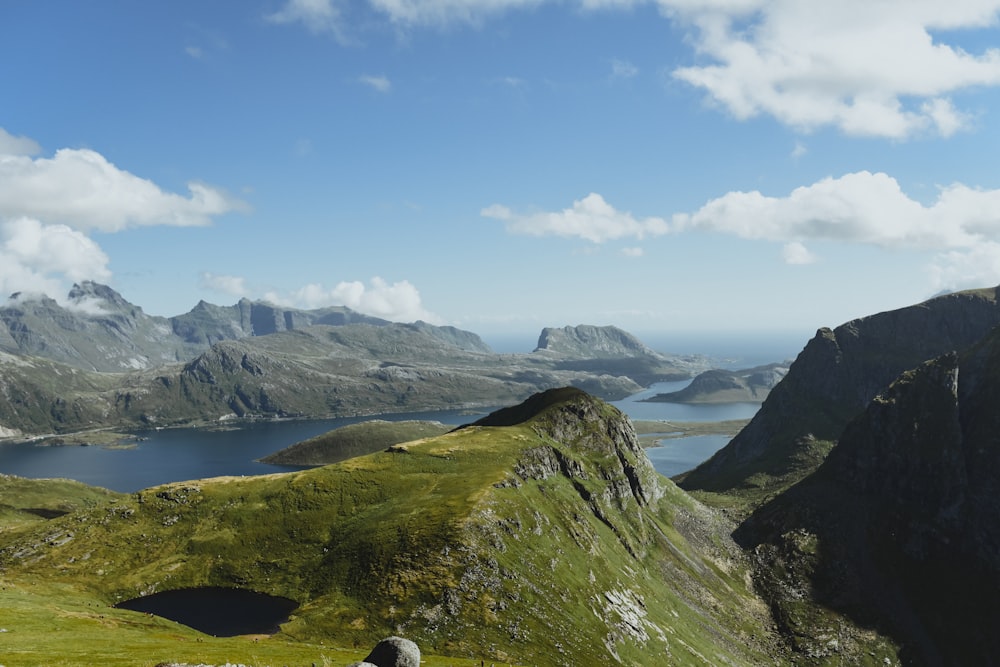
point(671, 167)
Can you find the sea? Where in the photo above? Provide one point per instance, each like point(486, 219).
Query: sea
point(179, 454)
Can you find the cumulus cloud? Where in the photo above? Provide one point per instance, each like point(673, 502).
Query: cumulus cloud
point(48, 205)
point(442, 12)
point(623, 69)
point(318, 16)
point(796, 253)
point(378, 83)
point(80, 188)
point(868, 68)
point(35, 257)
point(11, 145)
point(231, 285)
point(861, 207)
point(399, 301)
point(962, 223)
point(590, 218)
point(964, 269)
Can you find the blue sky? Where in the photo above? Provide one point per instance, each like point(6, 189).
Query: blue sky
point(671, 167)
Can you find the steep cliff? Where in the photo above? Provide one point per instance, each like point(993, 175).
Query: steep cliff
point(832, 380)
point(902, 520)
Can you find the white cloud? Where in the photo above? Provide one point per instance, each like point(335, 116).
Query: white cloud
point(318, 16)
point(11, 145)
point(590, 218)
point(231, 285)
point(443, 12)
point(799, 150)
point(633, 252)
point(80, 188)
point(379, 83)
point(48, 206)
point(399, 301)
point(962, 223)
point(796, 253)
point(867, 68)
point(38, 258)
point(623, 69)
point(861, 207)
point(964, 269)
point(195, 52)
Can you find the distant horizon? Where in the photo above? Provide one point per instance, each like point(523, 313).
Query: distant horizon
point(508, 165)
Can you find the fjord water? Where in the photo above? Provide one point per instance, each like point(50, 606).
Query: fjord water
point(178, 454)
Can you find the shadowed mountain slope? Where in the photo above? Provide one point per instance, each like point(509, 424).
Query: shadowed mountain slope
point(899, 529)
point(832, 380)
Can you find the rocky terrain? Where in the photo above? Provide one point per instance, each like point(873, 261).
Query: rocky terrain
point(751, 385)
point(102, 363)
point(854, 520)
point(870, 484)
point(832, 381)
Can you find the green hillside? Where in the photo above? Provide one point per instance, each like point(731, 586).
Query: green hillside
point(547, 541)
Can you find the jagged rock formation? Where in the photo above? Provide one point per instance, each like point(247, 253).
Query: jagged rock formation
point(592, 341)
point(611, 350)
point(832, 380)
point(750, 385)
point(99, 330)
point(264, 362)
point(903, 519)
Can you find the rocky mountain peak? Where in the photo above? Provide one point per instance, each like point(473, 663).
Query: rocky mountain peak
point(835, 377)
point(598, 342)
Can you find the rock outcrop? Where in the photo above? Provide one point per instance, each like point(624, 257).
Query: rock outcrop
point(750, 385)
point(899, 528)
point(832, 380)
point(392, 652)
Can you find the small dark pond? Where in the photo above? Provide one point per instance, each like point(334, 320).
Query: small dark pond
point(222, 612)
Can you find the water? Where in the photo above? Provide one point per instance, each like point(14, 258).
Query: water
point(172, 455)
point(677, 455)
point(223, 612)
point(693, 412)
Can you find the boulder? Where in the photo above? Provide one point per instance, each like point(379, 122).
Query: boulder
point(394, 652)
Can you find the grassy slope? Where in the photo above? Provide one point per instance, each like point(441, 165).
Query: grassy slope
point(353, 440)
point(438, 540)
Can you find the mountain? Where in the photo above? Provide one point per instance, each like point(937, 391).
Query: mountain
point(317, 371)
point(99, 330)
point(610, 350)
point(899, 529)
point(722, 386)
point(102, 362)
point(544, 539)
point(832, 381)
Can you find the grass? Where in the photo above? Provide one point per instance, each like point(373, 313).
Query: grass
point(437, 540)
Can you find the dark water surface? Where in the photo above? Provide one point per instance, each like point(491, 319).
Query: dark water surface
point(178, 454)
point(172, 455)
point(223, 612)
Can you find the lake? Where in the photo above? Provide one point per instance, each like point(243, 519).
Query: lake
point(171, 455)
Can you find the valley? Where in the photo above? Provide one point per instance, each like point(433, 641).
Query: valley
point(850, 520)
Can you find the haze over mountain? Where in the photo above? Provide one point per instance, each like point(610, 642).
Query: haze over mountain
point(103, 362)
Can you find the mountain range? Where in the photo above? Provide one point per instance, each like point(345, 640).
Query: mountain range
point(101, 362)
point(853, 521)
